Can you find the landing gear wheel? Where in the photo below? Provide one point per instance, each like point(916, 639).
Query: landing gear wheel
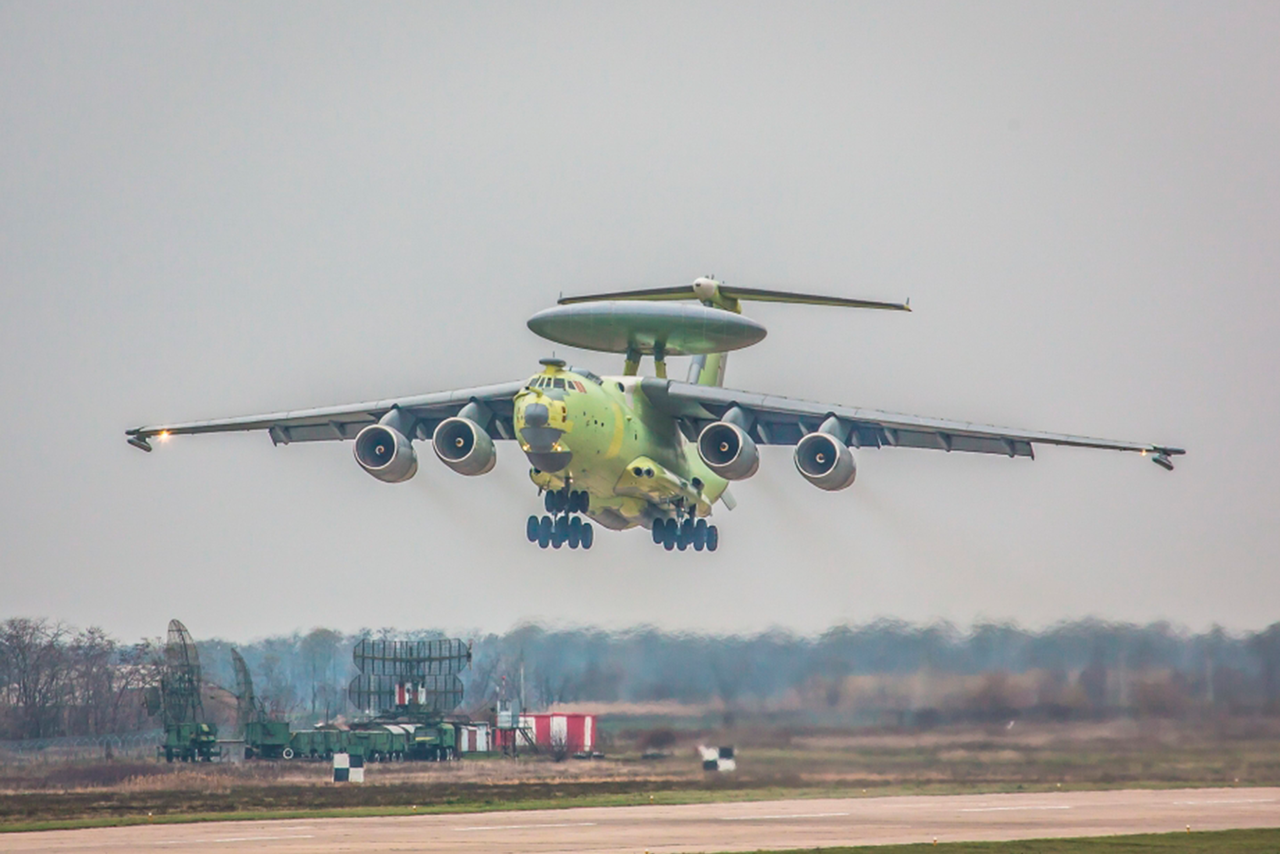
point(700, 535)
point(588, 535)
point(659, 525)
point(575, 532)
point(670, 532)
point(546, 528)
point(552, 502)
point(531, 529)
point(561, 532)
point(713, 537)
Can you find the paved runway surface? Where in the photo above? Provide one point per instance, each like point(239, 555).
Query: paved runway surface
point(704, 827)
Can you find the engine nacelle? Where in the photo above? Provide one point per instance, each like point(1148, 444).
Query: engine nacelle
point(728, 451)
point(464, 446)
point(386, 453)
point(825, 461)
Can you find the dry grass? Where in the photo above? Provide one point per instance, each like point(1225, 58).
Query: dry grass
point(1026, 756)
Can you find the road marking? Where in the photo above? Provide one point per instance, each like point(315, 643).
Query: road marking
point(231, 839)
point(1007, 809)
point(526, 826)
point(772, 817)
point(1233, 801)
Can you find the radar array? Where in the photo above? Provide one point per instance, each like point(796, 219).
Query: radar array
point(419, 676)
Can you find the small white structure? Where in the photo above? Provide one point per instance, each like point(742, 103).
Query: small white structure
point(474, 738)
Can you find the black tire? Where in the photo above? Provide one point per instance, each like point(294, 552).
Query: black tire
point(588, 535)
point(658, 526)
point(575, 532)
point(700, 535)
point(549, 502)
point(531, 529)
point(561, 532)
point(713, 538)
point(545, 530)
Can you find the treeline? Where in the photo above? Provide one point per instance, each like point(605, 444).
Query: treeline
point(59, 681)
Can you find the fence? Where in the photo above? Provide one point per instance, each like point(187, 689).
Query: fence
point(132, 745)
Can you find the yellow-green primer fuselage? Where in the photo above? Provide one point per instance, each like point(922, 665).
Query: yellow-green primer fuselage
point(601, 436)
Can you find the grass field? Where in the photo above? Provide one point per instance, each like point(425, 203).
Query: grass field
point(774, 763)
point(1218, 842)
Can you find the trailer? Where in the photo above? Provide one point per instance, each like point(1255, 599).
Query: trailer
point(376, 741)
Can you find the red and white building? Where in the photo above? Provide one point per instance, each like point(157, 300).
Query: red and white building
point(549, 731)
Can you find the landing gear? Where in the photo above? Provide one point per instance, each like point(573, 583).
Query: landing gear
point(567, 501)
point(561, 527)
point(679, 534)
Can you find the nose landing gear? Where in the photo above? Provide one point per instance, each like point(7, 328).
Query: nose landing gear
point(562, 527)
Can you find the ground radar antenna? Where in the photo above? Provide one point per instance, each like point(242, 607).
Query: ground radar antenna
point(187, 735)
point(180, 681)
point(408, 676)
point(248, 708)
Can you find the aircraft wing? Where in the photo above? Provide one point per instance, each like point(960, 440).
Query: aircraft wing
point(775, 420)
point(344, 422)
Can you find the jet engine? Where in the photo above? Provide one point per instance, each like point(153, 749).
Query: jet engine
point(728, 451)
point(386, 453)
point(825, 461)
point(464, 446)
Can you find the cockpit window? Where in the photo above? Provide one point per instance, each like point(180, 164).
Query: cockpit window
point(559, 383)
point(587, 375)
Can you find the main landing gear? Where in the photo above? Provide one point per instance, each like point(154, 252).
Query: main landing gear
point(562, 526)
point(677, 534)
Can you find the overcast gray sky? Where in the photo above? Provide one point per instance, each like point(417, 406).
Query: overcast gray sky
point(220, 209)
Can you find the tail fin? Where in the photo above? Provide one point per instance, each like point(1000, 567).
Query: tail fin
point(708, 369)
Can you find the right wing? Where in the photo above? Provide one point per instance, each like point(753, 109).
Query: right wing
point(344, 422)
point(777, 420)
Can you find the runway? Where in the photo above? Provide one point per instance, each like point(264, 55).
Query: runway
point(704, 827)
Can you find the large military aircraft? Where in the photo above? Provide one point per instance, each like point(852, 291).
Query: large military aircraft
point(630, 451)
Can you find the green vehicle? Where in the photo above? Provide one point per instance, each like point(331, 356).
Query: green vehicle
point(266, 739)
point(437, 743)
point(377, 742)
point(190, 742)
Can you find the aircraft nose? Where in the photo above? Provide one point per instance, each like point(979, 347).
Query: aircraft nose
point(536, 415)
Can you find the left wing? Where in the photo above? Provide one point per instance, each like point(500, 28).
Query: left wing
point(774, 420)
point(344, 422)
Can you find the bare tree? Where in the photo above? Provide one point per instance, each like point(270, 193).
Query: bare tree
point(320, 654)
point(34, 657)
